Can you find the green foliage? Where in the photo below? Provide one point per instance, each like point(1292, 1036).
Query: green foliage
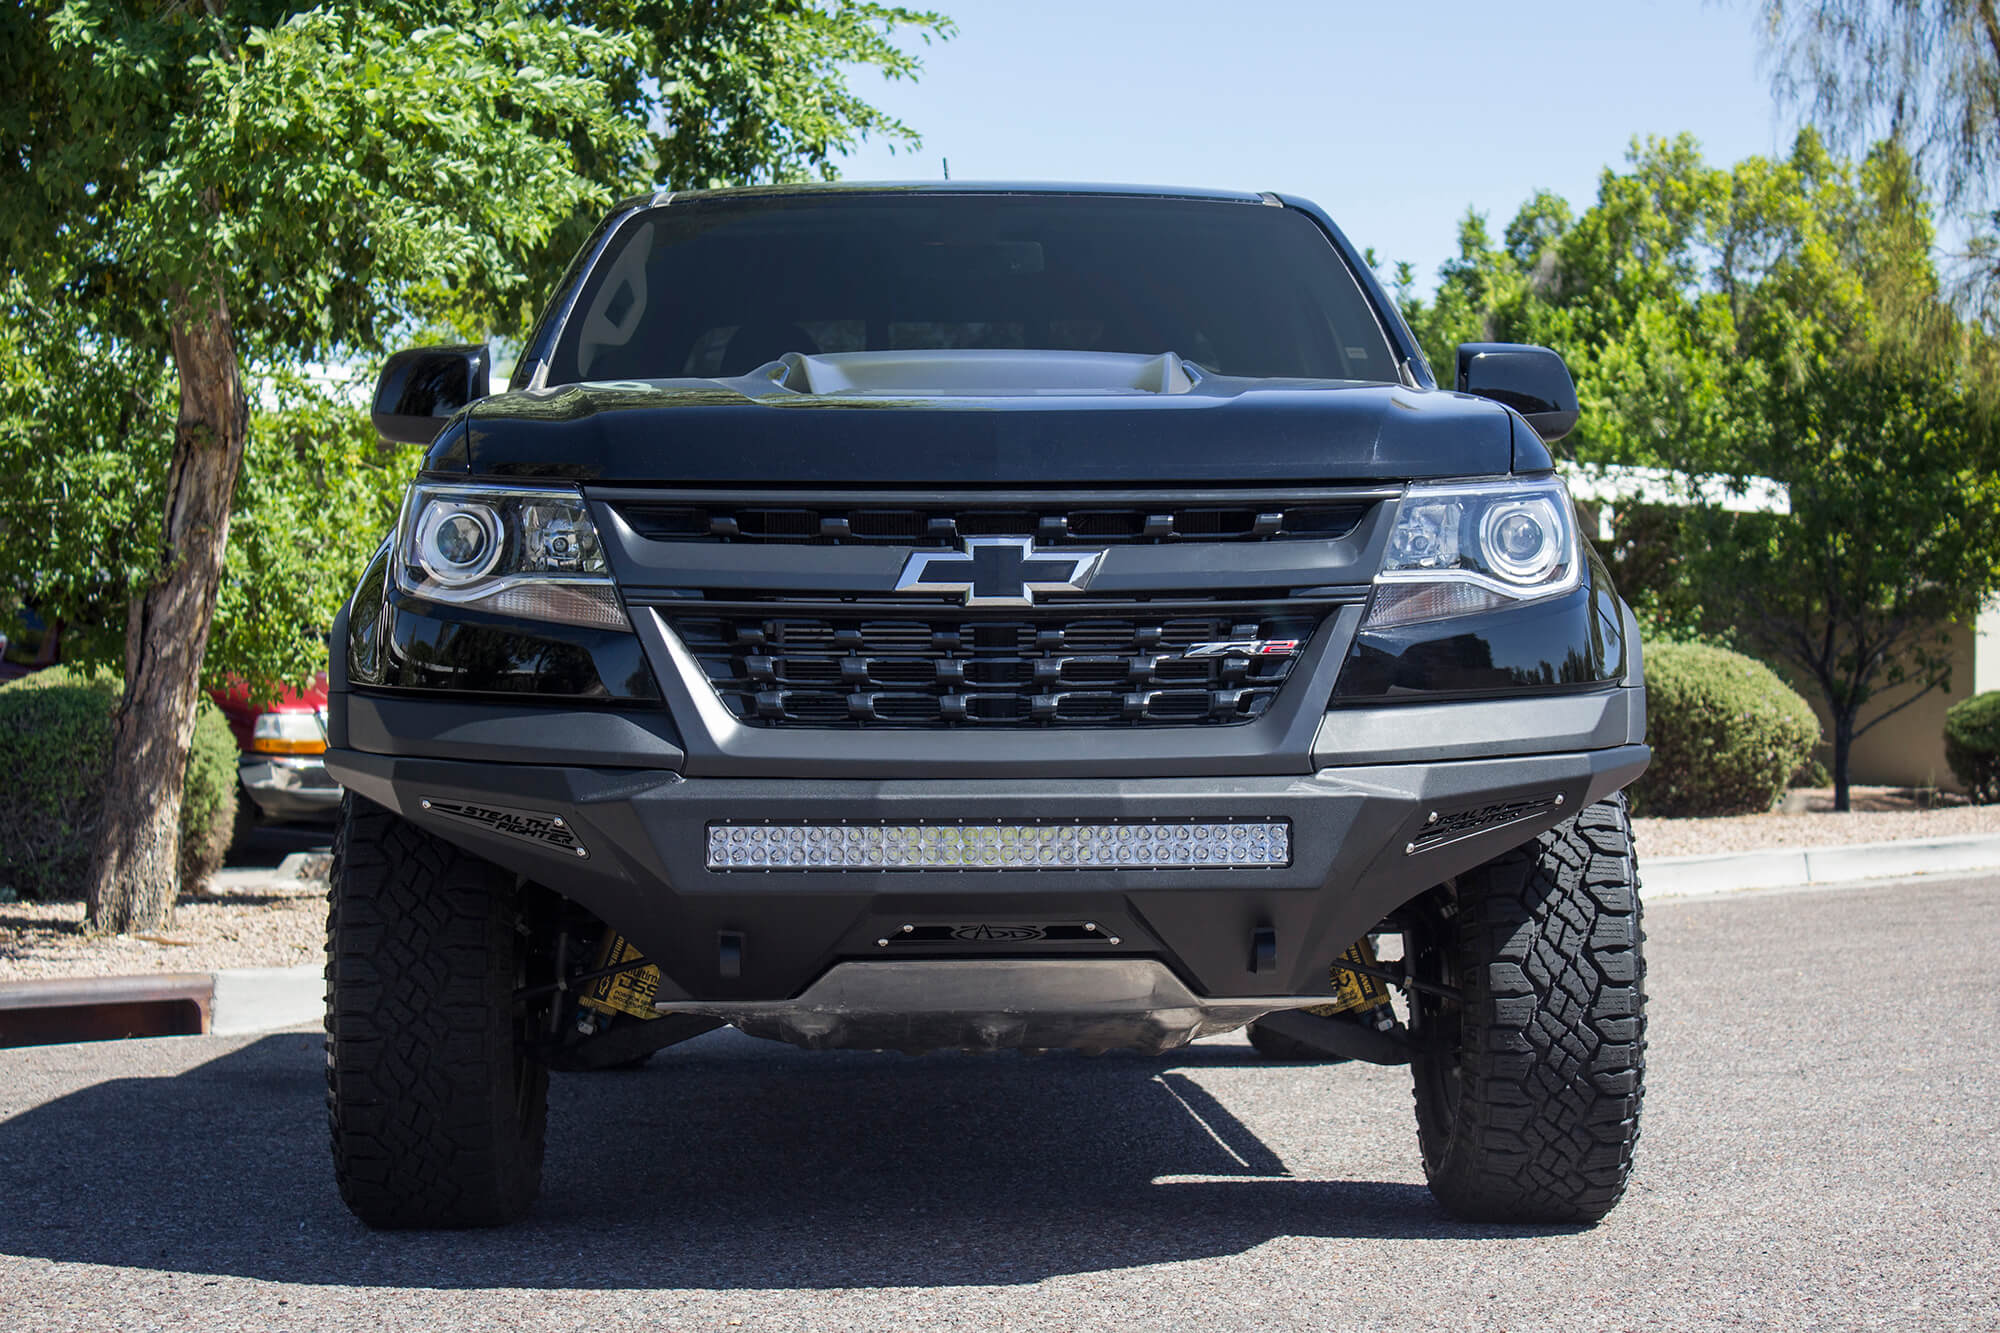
point(1727, 733)
point(1972, 745)
point(55, 745)
point(317, 493)
point(341, 174)
point(81, 466)
point(1924, 72)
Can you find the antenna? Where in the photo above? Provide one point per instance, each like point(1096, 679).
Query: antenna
point(947, 168)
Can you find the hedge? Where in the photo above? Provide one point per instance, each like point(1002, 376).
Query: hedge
point(1727, 733)
point(1972, 745)
point(55, 748)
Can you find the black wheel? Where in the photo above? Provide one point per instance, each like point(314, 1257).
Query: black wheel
point(1288, 1050)
point(436, 1111)
point(1528, 1096)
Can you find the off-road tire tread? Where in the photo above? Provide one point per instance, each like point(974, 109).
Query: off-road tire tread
point(435, 1120)
point(1549, 946)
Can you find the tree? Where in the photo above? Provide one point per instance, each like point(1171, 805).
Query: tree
point(85, 433)
point(1782, 318)
point(240, 182)
point(1925, 73)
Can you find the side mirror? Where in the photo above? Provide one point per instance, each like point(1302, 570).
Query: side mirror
point(1531, 380)
point(421, 387)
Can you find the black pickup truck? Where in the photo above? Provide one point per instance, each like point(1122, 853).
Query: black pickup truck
point(974, 617)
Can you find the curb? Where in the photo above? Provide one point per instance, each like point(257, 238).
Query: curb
point(1791, 867)
point(263, 999)
point(231, 1002)
point(228, 1002)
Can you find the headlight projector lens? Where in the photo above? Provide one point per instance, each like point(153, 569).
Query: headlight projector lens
point(1523, 539)
point(458, 543)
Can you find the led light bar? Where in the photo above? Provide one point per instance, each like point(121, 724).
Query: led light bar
point(879, 847)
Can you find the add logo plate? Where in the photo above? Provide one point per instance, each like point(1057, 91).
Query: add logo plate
point(997, 934)
point(527, 825)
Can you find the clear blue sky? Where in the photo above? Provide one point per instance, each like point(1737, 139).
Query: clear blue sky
point(1396, 117)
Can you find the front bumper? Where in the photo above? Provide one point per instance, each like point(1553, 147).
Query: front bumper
point(286, 787)
point(629, 843)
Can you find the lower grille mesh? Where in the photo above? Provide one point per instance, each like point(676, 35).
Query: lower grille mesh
point(947, 670)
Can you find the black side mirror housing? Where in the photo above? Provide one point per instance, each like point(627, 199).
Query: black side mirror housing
point(423, 386)
point(1531, 380)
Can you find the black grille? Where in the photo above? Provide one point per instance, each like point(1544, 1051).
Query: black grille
point(1094, 525)
point(945, 670)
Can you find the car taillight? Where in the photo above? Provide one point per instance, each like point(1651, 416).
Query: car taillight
point(288, 733)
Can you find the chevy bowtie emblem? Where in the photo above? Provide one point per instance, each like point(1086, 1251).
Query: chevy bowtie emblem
point(999, 571)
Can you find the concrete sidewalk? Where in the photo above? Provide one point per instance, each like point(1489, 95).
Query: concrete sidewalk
point(1690, 876)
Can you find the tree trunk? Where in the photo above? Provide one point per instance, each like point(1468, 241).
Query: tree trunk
point(1843, 744)
point(135, 872)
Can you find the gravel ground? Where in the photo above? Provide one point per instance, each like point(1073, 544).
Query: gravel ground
point(1811, 1161)
point(243, 919)
point(1879, 816)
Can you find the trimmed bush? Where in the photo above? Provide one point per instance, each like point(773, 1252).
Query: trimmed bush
point(1727, 733)
point(55, 746)
point(1972, 745)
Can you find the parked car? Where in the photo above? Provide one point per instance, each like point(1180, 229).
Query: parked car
point(283, 764)
point(982, 617)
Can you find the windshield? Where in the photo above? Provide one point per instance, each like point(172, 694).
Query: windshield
point(720, 286)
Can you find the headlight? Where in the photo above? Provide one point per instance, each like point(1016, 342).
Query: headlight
point(1457, 550)
point(288, 733)
point(521, 551)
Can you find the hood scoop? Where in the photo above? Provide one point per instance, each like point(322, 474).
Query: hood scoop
point(972, 374)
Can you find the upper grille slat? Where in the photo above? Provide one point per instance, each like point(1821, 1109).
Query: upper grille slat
point(1054, 525)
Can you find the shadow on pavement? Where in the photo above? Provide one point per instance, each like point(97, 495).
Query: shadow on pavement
point(726, 1163)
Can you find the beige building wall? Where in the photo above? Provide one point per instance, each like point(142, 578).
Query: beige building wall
point(1907, 750)
point(1986, 650)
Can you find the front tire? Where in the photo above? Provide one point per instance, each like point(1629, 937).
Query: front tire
point(436, 1111)
point(1528, 1091)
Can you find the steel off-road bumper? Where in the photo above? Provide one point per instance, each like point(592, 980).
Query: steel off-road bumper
point(756, 946)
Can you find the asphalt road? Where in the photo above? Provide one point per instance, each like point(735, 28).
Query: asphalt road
point(1819, 1152)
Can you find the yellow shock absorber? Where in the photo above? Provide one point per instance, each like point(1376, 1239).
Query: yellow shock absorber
point(1355, 993)
point(628, 992)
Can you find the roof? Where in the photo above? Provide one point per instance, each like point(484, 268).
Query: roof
point(957, 187)
point(1616, 484)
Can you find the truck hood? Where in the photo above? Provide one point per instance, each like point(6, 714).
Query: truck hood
point(984, 418)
